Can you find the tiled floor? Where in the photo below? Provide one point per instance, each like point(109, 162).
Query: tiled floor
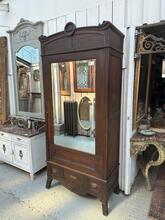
point(22, 199)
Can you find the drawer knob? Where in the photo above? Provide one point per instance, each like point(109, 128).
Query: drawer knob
point(21, 154)
point(73, 177)
point(4, 148)
point(2, 134)
point(18, 139)
point(94, 185)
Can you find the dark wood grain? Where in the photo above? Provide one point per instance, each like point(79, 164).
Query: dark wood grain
point(81, 172)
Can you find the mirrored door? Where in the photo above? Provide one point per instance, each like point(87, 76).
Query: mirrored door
point(73, 93)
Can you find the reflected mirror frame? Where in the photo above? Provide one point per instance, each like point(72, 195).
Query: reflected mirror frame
point(91, 76)
point(26, 33)
point(89, 102)
point(64, 92)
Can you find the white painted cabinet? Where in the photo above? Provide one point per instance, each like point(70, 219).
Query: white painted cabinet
point(26, 153)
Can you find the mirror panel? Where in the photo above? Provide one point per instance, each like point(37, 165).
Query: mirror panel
point(73, 111)
point(25, 48)
point(28, 80)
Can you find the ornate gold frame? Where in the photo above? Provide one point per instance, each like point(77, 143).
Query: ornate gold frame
point(64, 92)
point(145, 44)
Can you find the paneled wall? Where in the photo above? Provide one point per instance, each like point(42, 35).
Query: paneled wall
point(108, 10)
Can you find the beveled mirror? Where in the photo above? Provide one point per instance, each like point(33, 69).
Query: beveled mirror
point(27, 71)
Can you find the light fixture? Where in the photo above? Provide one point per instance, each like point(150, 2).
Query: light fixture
point(4, 7)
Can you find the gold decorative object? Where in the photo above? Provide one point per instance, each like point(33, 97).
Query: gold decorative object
point(139, 143)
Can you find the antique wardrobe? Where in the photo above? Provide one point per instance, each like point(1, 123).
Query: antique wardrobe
point(82, 74)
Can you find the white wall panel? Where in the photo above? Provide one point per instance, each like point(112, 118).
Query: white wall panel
point(133, 12)
point(162, 10)
point(51, 26)
point(3, 31)
point(71, 17)
point(118, 14)
point(93, 16)
point(81, 18)
point(151, 11)
point(105, 11)
point(61, 21)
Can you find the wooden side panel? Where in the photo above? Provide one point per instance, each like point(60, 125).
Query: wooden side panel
point(3, 79)
point(114, 112)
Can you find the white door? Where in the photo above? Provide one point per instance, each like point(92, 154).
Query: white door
point(5, 151)
point(20, 156)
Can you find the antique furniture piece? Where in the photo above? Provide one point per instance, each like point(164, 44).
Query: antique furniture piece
point(85, 164)
point(3, 79)
point(22, 140)
point(140, 143)
point(22, 147)
point(27, 68)
point(64, 70)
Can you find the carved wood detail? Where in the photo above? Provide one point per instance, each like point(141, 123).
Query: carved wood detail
point(3, 79)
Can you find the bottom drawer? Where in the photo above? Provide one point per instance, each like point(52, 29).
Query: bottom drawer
point(76, 182)
point(94, 186)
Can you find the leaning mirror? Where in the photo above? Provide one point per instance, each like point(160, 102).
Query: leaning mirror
point(27, 71)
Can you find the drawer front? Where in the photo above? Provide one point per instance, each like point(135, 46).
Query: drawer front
point(94, 186)
point(21, 156)
point(5, 151)
point(4, 135)
point(75, 181)
point(57, 172)
point(19, 139)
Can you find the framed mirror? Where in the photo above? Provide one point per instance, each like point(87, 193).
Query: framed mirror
point(84, 76)
point(73, 111)
point(141, 88)
point(64, 72)
point(27, 71)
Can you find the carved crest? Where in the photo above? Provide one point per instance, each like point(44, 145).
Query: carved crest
point(152, 44)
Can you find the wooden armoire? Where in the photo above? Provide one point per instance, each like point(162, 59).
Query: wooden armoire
point(96, 54)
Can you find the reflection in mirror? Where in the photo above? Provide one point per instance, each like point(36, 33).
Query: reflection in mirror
point(84, 76)
point(64, 73)
point(142, 88)
point(28, 79)
point(74, 120)
point(85, 113)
